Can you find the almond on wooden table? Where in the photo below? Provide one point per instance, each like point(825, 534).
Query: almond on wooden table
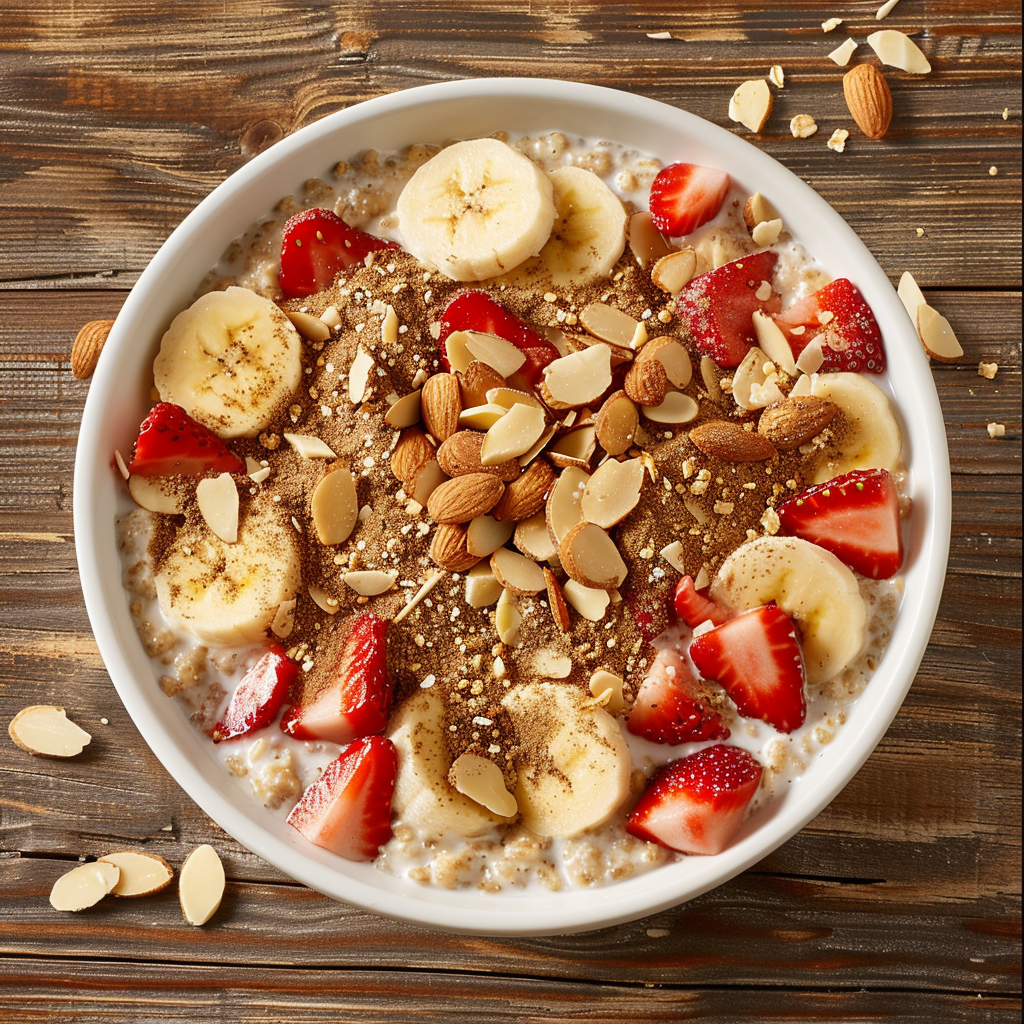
point(722, 439)
point(87, 346)
point(869, 100)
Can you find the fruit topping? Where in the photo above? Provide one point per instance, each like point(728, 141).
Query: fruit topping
point(685, 196)
point(856, 516)
point(357, 697)
point(719, 306)
point(668, 708)
point(693, 606)
point(171, 443)
point(757, 660)
point(317, 244)
point(697, 804)
point(851, 339)
point(259, 696)
point(348, 809)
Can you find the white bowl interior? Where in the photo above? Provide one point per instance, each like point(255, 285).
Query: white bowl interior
point(117, 402)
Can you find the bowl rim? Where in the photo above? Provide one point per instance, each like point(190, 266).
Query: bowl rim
point(460, 911)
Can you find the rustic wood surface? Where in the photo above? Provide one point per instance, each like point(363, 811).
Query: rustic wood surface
point(900, 902)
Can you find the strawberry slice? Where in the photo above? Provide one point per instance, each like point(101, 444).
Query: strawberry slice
point(474, 310)
point(667, 708)
point(756, 658)
point(693, 606)
point(171, 443)
point(348, 809)
point(316, 245)
point(852, 337)
point(685, 196)
point(259, 696)
point(697, 804)
point(718, 306)
point(856, 516)
point(357, 698)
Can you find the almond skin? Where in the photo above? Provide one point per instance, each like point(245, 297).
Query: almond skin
point(646, 382)
point(441, 405)
point(721, 439)
point(448, 548)
point(794, 421)
point(89, 342)
point(616, 422)
point(868, 97)
point(460, 455)
point(413, 450)
point(525, 497)
point(464, 498)
point(556, 601)
point(476, 381)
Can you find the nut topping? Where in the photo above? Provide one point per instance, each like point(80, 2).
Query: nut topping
point(449, 548)
point(616, 422)
point(89, 342)
point(464, 498)
point(869, 100)
point(794, 421)
point(591, 558)
point(722, 439)
point(442, 405)
point(461, 454)
point(334, 506)
point(525, 496)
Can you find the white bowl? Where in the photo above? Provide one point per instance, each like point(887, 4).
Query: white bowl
point(118, 400)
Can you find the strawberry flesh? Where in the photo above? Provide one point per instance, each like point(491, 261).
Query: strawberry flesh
point(474, 310)
point(693, 606)
point(756, 659)
point(171, 443)
point(259, 696)
point(852, 338)
point(856, 516)
point(348, 809)
point(668, 709)
point(356, 700)
point(697, 804)
point(685, 196)
point(718, 306)
point(317, 244)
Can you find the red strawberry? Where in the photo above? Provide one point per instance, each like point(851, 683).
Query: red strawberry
point(357, 698)
point(317, 244)
point(684, 196)
point(348, 809)
point(697, 804)
point(667, 708)
point(259, 696)
point(171, 443)
point(718, 306)
point(856, 516)
point(853, 340)
point(474, 310)
point(756, 658)
point(693, 606)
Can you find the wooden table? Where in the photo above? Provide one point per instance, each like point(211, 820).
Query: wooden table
point(900, 902)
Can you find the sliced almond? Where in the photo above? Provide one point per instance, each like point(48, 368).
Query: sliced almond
point(646, 382)
point(359, 377)
point(899, 51)
point(766, 232)
point(331, 316)
point(563, 504)
point(612, 492)
point(464, 498)
point(609, 324)
point(474, 383)
point(46, 731)
point(84, 886)
point(590, 602)
point(441, 405)
point(462, 454)
point(427, 479)
point(141, 874)
point(405, 412)
point(334, 506)
point(591, 558)
point(910, 295)
point(574, 448)
point(619, 356)
point(525, 496)
point(323, 600)
point(673, 554)
point(507, 617)
point(427, 586)
point(840, 55)
point(677, 408)
point(646, 242)
point(749, 372)
point(532, 538)
point(157, 494)
point(556, 601)
point(370, 582)
point(482, 586)
point(312, 328)
point(773, 343)
point(538, 446)
point(458, 355)
point(709, 374)
point(810, 359)
point(509, 397)
point(671, 354)
point(517, 573)
point(757, 209)
point(601, 682)
point(481, 780)
point(937, 335)
point(499, 354)
point(414, 449)
point(672, 273)
point(485, 535)
point(389, 326)
point(309, 447)
point(482, 417)
point(284, 619)
point(616, 422)
point(513, 435)
point(549, 664)
point(751, 104)
point(201, 885)
point(579, 379)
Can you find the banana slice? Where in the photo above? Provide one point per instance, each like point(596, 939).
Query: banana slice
point(811, 586)
point(575, 768)
point(229, 593)
point(232, 360)
point(872, 439)
point(424, 799)
point(589, 233)
point(476, 210)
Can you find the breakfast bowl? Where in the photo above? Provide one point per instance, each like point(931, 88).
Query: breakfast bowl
point(119, 399)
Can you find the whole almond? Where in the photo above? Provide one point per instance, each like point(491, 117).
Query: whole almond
point(460, 455)
point(441, 404)
point(794, 421)
point(525, 497)
point(646, 382)
point(616, 422)
point(413, 450)
point(89, 342)
point(721, 439)
point(477, 379)
point(448, 548)
point(464, 498)
point(868, 97)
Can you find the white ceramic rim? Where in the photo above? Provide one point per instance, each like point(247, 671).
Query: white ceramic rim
point(116, 404)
